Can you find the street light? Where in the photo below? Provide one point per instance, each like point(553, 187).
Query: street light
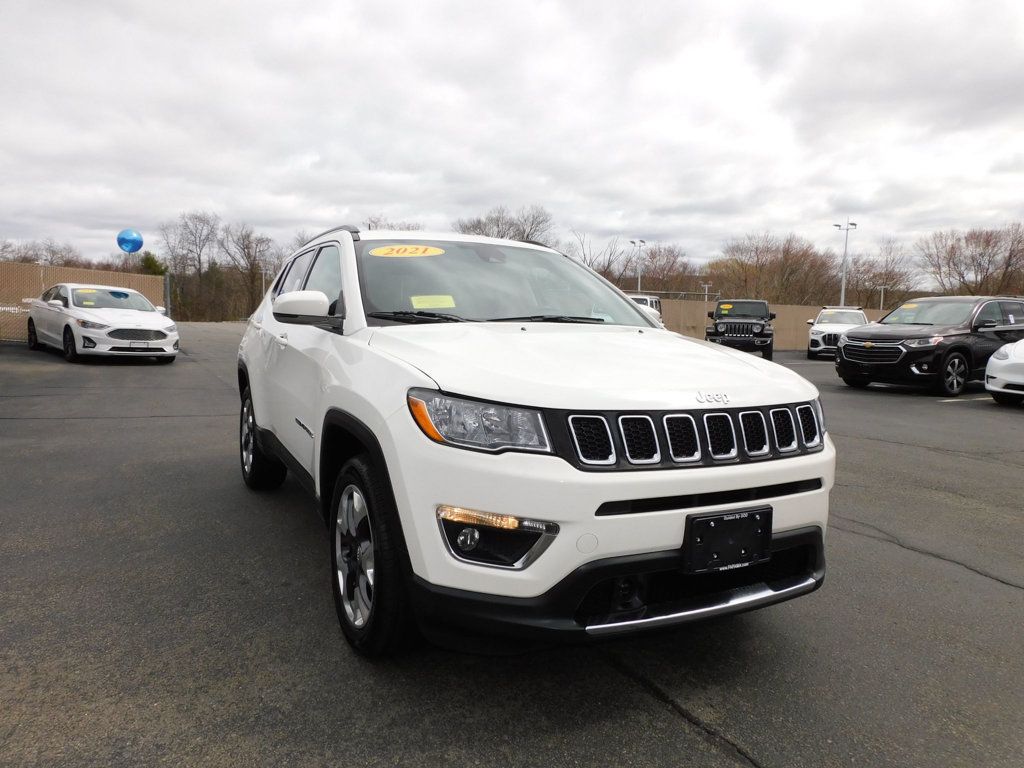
point(881, 298)
point(849, 225)
point(639, 260)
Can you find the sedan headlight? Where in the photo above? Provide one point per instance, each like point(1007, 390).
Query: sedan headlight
point(91, 325)
point(171, 329)
point(721, 327)
point(931, 341)
point(1003, 353)
point(479, 425)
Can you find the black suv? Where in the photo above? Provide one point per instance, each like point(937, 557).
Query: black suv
point(744, 324)
point(942, 341)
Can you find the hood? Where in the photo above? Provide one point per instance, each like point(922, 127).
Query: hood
point(126, 318)
point(834, 327)
point(879, 332)
point(588, 367)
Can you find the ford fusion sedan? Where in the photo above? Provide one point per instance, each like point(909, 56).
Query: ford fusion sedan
point(831, 323)
point(101, 320)
point(940, 342)
point(1004, 376)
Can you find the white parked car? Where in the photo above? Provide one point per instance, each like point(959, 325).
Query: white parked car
point(101, 320)
point(1004, 375)
point(831, 323)
point(502, 443)
point(651, 303)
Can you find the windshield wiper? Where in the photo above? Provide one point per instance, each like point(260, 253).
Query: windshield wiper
point(420, 316)
point(546, 319)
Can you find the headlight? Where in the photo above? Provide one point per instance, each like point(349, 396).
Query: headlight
point(474, 424)
point(842, 340)
point(757, 328)
point(1003, 353)
point(931, 341)
point(91, 325)
point(171, 329)
point(721, 327)
point(815, 332)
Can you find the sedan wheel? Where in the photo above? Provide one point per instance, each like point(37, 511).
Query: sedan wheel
point(33, 339)
point(70, 350)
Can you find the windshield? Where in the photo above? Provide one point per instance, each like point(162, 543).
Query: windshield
point(841, 317)
point(930, 313)
point(444, 280)
point(109, 298)
point(757, 309)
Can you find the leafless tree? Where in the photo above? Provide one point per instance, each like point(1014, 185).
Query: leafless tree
point(380, 221)
point(788, 270)
point(978, 261)
point(251, 254)
point(611, 261)
point(533, 223)
point(191, 241)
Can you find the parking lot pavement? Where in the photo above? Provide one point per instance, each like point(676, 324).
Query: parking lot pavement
point(154, 611)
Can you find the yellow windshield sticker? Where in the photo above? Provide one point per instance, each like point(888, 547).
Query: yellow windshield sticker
point(406, 250)
point(909, 306)
point(85, 290)
point(725, 306)
point(432, 302)
point(88, 303)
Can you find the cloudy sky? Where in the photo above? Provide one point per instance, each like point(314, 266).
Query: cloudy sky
point(686, 122)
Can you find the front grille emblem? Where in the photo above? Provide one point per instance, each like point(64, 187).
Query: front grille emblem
point(868, 344)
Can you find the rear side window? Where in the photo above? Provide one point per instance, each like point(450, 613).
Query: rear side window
point(325, 276)
point(296, 272)
point(1013, 312)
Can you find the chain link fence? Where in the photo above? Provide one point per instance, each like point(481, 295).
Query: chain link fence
point(19, 282)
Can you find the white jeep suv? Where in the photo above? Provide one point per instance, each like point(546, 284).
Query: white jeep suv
point(503, 444)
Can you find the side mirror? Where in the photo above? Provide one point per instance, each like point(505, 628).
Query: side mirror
point(771, 315)
point(161, 310)
point(652, 313)
point(711, 315)
point(810, 322)
point(302, 308)
point(987, 325)
point(56, 303)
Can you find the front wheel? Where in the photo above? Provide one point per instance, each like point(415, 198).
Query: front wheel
point(856, 383)
point(369, 590)
point(953, 378)
point(260, 470)
point(766, 353)
point(1005, 398)
point(33, 339)
point(70, 347)
point(811, 355)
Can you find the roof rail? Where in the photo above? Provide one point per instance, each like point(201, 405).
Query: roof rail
point(346, 227)
point(535, 242)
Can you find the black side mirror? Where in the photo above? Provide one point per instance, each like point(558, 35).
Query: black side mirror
point(711, 315)
point(986, 325)
point(771, 315)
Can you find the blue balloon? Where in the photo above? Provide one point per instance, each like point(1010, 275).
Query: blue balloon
point(129, 241)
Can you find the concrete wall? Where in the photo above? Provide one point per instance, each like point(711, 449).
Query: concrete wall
point(690, 318)
point(28, 281)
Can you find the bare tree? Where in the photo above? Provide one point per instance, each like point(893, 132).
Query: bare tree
point(191, 241)
point(979, 261)
point(251, 254)
point(533, 223)
point(787, 270)
point(380, 221)
point(611, 261)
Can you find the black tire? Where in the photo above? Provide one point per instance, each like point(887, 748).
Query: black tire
point(69, 345)
point(1005, 398)
point(33, 338)
point(260, 470)
point(766, 353)
point(166, 359)
point(812, 355)
point(953, 375)
point(373, 609)
point(856, 383)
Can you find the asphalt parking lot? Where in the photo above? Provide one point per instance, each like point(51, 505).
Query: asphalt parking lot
point(155, 611)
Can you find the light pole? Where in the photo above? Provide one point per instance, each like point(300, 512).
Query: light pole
point(881, 298)
point(705, 286)
point(846, 242)
point(639, 260)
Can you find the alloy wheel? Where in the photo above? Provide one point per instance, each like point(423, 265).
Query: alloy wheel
point(955, 374)
point(353, 549)
point(248, 436)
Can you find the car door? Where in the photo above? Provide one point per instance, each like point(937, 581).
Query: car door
point(1013, 316)
point(57, 316)
point(294, 359)
point(40, 314)
point(984, 343)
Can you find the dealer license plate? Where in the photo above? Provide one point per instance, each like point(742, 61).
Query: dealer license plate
point(722, 540)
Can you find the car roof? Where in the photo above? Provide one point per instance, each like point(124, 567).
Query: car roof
point(418, 234)
point(726, 301)
point(74, 286)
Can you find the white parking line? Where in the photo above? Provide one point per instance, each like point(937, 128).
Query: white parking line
point(964, 399)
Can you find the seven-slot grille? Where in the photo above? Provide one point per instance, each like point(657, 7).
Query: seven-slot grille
point(699, 438)
point(872, 352)
point(136, 334)
point(739, 329)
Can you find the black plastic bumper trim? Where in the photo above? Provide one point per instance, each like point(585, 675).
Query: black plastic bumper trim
point(692, 500)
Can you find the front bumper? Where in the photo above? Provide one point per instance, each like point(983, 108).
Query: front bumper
point(92, 342)
point(914, 367)
point(745, 343)
point(1005, 376)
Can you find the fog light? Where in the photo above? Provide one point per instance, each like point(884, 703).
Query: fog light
point(486, 538)
point(175, 345)
point(468, 539)
point(88, 343)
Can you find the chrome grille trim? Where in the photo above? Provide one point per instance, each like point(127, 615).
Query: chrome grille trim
point(696, 437)
point(789, 415)
point(579, 453)
point(654, 434)
point(746, 443)
point(707, 430)
point(814, 420)
point(136, 334)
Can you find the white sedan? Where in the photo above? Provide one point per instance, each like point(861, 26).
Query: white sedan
point(1004, 375)
point(101, 320)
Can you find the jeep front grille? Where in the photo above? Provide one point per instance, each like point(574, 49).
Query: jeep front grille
point(739, 329)
point(609, 441)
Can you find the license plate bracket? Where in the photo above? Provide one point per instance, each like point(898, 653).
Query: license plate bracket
point(138, 344)
point(720, 541)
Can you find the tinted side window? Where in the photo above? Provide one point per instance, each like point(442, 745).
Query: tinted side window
point(1013, 312)
point(293, 279)
point(990, 313)
point(325, 276)
point(62, 294)
point(48, 295)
